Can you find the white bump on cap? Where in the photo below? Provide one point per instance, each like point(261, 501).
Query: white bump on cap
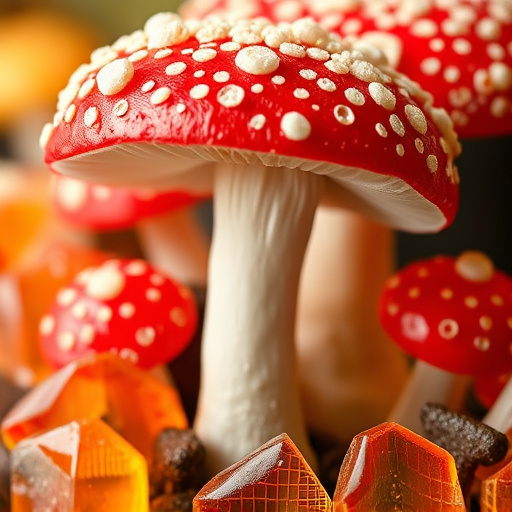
point(86, 88)
point(66, 341)
point(136, 268)
point(221, 76)
point(257, 60)
point(105, 283)
point(46, 325)
point(301, 93)
point(178, 317)
point(175, 68)
point(160, 95)
point(295, 126)
point(355, 96)
point(120, 108)
point(397, 125)
point(91, 116)
point(258, 121)
point(381, 130)
point(382, 95)
point(104, 314)
point(145, 336)
point(292, 49)
point(87, 333)
point(200, 91)
point(308, 74)
point(46, 133)
point(448, 329)
point(66, 296)
point(432, 163)
point(114, 77)
point(344, 114)
point(230, 96)
point(326, 85)
point(204, 54)
point(417, 119)
point(153, 295)
point(165, 29)
point(71, 193)
point(430, 66)
point(147, 86)
point(138, 55)
point(126, 310)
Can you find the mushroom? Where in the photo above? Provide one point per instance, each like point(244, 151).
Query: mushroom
point(182, 104)
point(125, 307)
point(428, 41)
point(453, 316)
point(165, 222)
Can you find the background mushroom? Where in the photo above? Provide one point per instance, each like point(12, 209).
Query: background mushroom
point(126, 307)
point(289, 124)
point(166, 223)
point(453, 316)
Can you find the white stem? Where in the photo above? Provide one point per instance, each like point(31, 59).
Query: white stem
point(499, 415)
point(176, 243)
point(351, 373)
point(249, 389)
point(426, 384)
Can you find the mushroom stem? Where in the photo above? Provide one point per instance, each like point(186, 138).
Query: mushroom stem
point(350, 372)
point(427, 384)
point(175, 243)
point(499, 416)
point(249, 386)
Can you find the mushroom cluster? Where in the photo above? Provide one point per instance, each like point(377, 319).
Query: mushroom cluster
point(277, 118)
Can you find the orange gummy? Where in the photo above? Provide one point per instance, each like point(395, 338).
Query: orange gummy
point(496, 493)
point(390, 468)
point(133, 402)
point(81, 466)
point(273, 478)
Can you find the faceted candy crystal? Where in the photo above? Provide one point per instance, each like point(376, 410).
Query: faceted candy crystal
point(389, 468)
point(273, 478)
point(497, 491)
point(81, 466)
point(133, 402)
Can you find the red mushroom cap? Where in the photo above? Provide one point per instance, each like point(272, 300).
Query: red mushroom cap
point(121, 306)
point(453, 313)
point(460, 51)
point(103, 208)
point(247, 92)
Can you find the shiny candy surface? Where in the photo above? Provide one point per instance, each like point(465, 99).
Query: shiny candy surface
point(390, 468)
point(136, 404)
point(81, 466)
point(275, 477)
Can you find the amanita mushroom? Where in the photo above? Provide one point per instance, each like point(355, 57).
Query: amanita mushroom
point(453, 316)
point(165, 222)
point(125, 307)
point(429, 41)
point(289, 123)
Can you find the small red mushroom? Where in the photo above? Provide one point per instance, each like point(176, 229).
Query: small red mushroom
point(454, 315)
point(125, 307)
point(166, 223)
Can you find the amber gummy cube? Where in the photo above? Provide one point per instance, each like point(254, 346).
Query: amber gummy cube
point(389, 468)
point(83, 466)
point(497, 491)
point(273, 478)
point(132, 401)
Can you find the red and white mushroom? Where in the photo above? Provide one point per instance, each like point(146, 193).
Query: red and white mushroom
point(165, 222)
point(460, 51)
point(454, 316)
point(125, 307)
point(289, 122)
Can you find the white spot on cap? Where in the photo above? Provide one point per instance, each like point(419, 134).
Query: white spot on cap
point(163, 53)
point(129, 354)
point(417, 119)
point(145, 336)
point(424, 28)
point(230, 46)
point(326, 85)
point(199, 74)
point(397, 125)
point(71, 194)
point(432, 163)
point(160, 95)
point(147, 86)
point(382, 95)
point(318, 54)
point(355, 96)
point(381, 130)
point(200, 91)
point(86, 88)
point(400, 150)
point(105, 283)
point(308, 74)
point(91, 116)
point(120, 108)
point(79, 310)
point(138, 55)
point(278, 80)
point(221, 76)
point(448, 329)
point(295, 126)
point(87, 333)
point(126, 310)
point(178, 317)
point(301, 93)
point(257, 60)
point(204, 54)
point(66, 341)
point(157, 279)
point(136, 268)
point(420, 147)
point(461, 46)
point(114, 77)
point(451, 74)
point(153, 295)
point(176, 68)
point(430, 66)
point(66, 296)
point(46, 325)
point(69, 115)
point(488, 29)
point(257, 88)
point(482, 343)
point(344, 114)
point(292, 49)
point(258, 121)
